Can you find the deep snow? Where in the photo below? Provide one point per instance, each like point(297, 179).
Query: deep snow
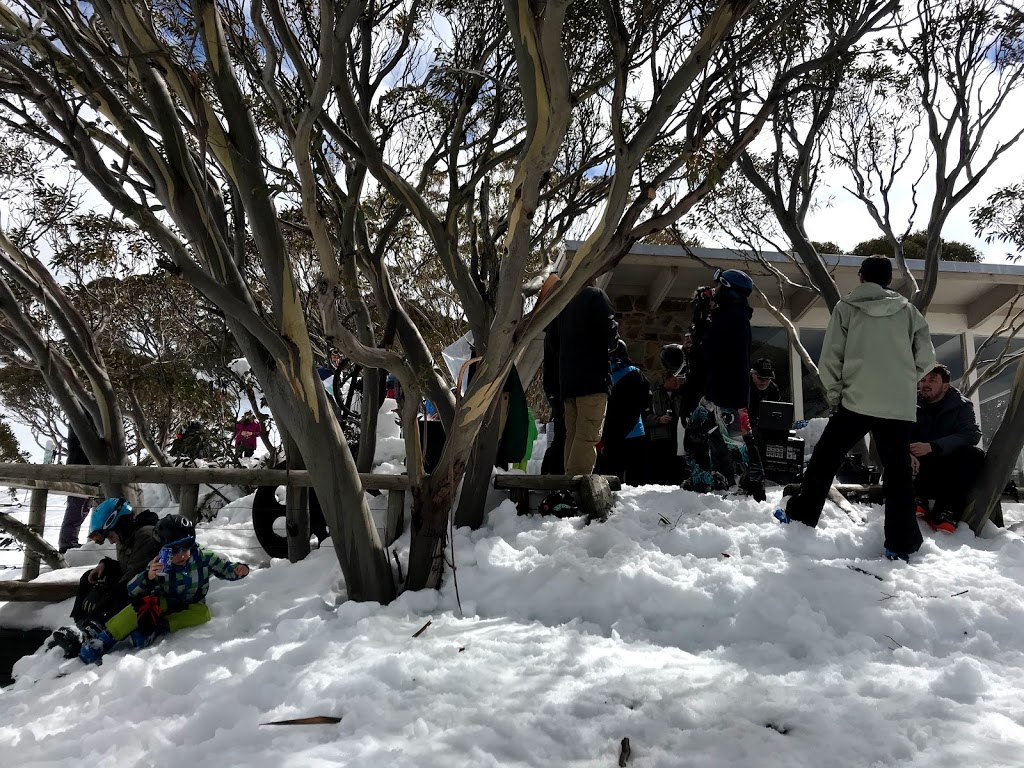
point(695, 626)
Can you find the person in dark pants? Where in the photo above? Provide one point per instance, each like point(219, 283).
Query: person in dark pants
point(721, 416)
point(623, 439)
point(943, 450)
point(664, 465)
point(77, 508)
point(586, 335)
point(762, 388)
point(876, 348)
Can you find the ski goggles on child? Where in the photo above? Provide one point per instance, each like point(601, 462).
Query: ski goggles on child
point(100, 534)
point(167, 551)
point(721, 279)
point(181, 545)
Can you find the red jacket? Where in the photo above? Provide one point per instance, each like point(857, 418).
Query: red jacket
point(246, 433)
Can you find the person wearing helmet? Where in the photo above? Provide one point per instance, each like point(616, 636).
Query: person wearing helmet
point(724, 352)
point(103, 590)
point(623, 437)
point(169, 594)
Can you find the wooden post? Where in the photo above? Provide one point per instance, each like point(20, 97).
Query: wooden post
point(521, 498)
point(296, 505)
point(36, 521)
point(296, 510)
point(396, 517)
point(188, 502)
point(595, 497)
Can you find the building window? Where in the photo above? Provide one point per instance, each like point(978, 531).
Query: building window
point(949, 352)
point(815, 405)
point(773, 344)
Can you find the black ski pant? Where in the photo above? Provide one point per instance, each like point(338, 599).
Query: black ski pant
point(892, 440)
point(101, 600)
point(947, 478)
point(664, 465)
point(554, 459)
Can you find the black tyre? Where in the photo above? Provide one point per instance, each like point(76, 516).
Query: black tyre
point(268, 516)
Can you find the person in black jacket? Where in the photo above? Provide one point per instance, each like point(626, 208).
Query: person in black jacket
point(586, 335)
point(724, 348)
point(623, 439)
point(77, 508)
point(664, 466)
point(943, 449)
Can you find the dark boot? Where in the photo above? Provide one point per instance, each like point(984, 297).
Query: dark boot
point(67, 638)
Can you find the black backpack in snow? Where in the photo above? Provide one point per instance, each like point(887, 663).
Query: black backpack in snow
point(559, 504)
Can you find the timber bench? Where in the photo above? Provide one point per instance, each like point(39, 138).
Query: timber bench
point(595, 491)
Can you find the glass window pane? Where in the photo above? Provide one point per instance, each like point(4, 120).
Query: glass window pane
point(815, 404)
point(773, 344)
point(948, 352)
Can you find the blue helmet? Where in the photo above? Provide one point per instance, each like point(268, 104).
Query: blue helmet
point(106, 516)
point(736, 280)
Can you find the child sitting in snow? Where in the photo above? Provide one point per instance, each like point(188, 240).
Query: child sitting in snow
point(169, 595)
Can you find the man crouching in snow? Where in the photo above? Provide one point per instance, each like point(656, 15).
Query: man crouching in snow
point(169, 595)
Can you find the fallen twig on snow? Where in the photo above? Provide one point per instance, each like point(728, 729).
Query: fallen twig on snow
point(423, 629)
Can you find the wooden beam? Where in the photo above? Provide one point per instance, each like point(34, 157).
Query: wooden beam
point(801, 301)
point(183, 475)
point(548, 482)
point(989, 303)
point(661, 286)
point(67, 489)
point(396, 517)
point(46, 591)
point(32, 541)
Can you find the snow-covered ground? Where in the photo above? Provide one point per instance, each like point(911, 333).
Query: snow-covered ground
point(696, 627)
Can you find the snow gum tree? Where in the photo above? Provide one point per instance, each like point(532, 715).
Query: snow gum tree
point(491, 129)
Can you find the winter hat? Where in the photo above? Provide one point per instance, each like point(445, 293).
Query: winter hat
point(763, 368)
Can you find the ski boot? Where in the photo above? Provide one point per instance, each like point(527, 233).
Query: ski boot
point(69, 639)
point(93, 648)
point(891, 555)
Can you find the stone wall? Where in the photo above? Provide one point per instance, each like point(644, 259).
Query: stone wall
point(646, 332)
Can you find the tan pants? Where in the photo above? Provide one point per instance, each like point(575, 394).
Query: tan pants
point(584, 420)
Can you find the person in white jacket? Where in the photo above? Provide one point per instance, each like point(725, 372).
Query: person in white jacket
point(877, 347)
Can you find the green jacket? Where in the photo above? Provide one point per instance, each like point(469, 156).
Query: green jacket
point(877, 347)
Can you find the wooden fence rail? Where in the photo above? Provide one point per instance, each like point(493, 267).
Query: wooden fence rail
point(84, 480)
